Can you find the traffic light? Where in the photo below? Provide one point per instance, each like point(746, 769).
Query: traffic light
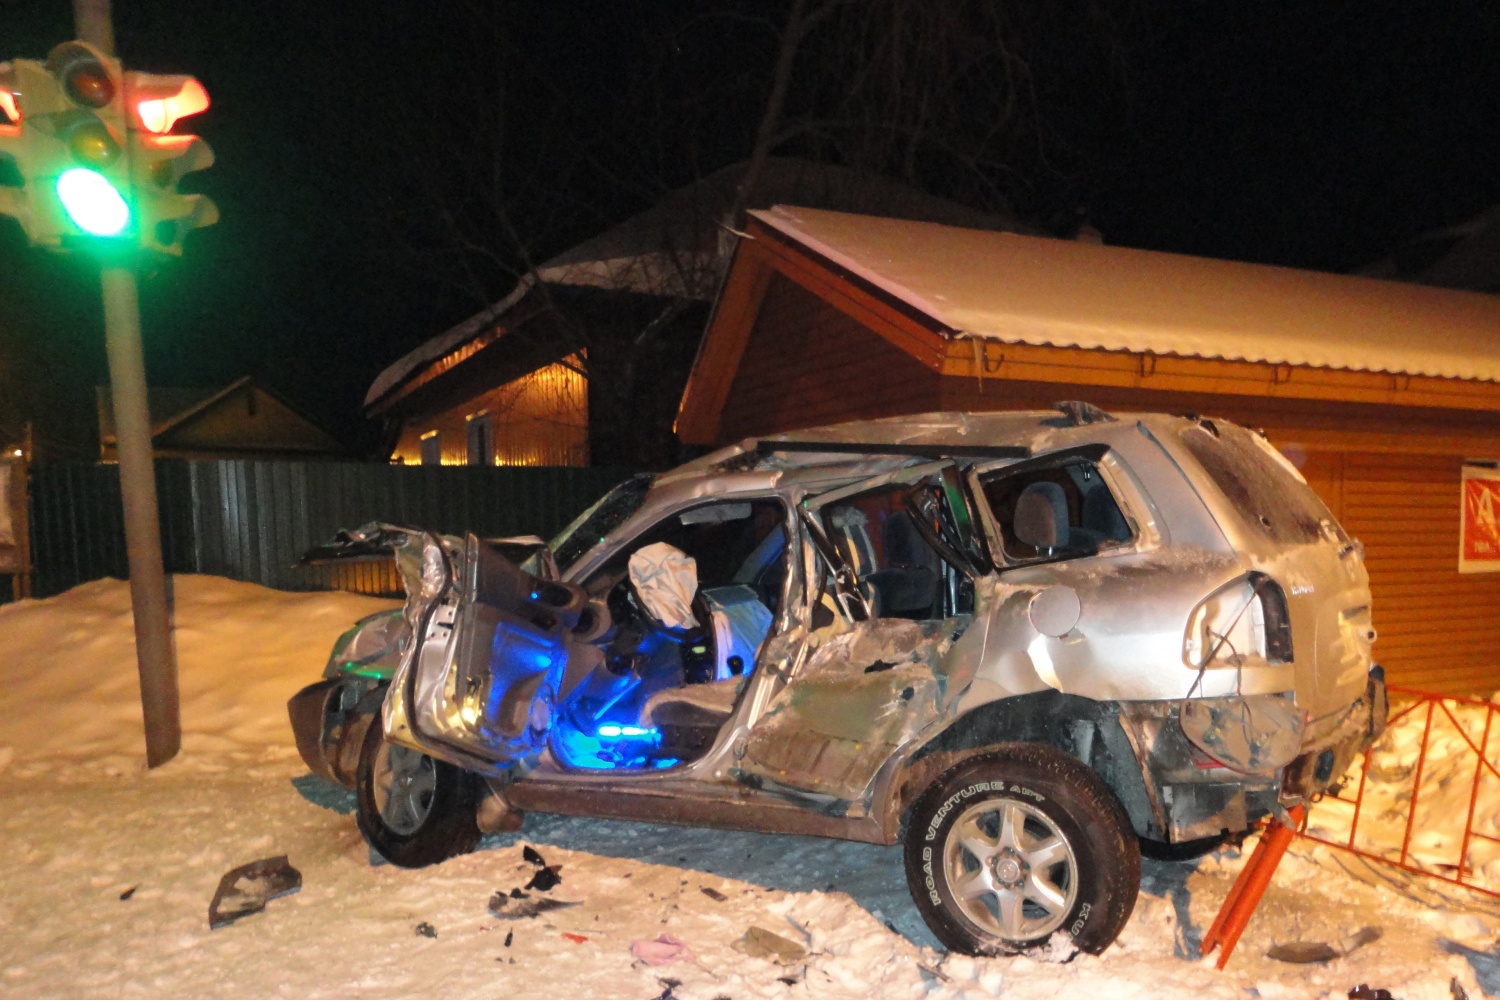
point(26, 150)
point(12, 179)
point(159, 159)
point(63, 169)
point(93, 174)
point(87, 154)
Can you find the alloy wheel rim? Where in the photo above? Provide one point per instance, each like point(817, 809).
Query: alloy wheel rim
point(1011, 872)
point(405, 782)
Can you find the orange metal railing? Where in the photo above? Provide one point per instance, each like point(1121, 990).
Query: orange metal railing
point(1443, 786)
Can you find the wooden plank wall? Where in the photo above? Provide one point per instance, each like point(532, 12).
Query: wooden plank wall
point(1437, 627)
point(808, 364)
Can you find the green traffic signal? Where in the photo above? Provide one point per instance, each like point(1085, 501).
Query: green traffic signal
point(92, 202)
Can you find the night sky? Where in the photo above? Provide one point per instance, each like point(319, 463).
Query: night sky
point(1316, 135)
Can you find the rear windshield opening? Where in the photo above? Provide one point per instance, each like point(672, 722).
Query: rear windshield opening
point(1271, 500)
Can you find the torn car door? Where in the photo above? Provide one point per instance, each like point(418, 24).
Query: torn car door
point(900, 567)
point(481, 686)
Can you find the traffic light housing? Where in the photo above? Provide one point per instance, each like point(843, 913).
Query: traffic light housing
point(12, 152)
point(87, 154)
point(67, 175)
point(160, 159)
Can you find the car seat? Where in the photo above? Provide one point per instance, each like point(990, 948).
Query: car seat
point(1041, 518)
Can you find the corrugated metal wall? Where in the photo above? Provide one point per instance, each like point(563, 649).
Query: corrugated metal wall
point(251, 520)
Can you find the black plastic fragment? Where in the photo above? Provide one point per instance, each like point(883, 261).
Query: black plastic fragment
point(545, 879)
point(1303, 952)
point(426, 930)
point(505, 908)
point(530, 854)
point(714, 894)
point(129, 892)
point(246, 889)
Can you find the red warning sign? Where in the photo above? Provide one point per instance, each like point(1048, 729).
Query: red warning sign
point(1479, 537)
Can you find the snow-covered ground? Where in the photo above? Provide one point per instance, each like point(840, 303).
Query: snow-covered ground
point(107, 870)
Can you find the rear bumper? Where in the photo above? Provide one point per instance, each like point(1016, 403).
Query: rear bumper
point(1323, 763)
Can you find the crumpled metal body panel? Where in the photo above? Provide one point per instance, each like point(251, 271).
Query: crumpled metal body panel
point(861, 696)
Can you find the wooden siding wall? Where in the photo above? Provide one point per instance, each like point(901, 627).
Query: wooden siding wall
point(1437, 628)
point(807, 363)
point(538, 419)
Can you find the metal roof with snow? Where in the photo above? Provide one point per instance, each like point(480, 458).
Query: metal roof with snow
point(1046, 292)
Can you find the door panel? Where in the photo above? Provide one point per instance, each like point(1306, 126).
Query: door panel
point(494, 692)
point(883, 671)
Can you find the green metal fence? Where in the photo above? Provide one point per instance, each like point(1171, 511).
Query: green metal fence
point(251, 520)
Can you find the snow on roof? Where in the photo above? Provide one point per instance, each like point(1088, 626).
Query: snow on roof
point(679, 247)
point(406, 365)
point(1047, 292)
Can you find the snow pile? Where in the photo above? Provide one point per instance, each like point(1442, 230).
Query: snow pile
point(1459, 773)
point(71, 686)
point(108, 869)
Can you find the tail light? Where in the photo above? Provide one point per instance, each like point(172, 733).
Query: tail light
point(1242, 622)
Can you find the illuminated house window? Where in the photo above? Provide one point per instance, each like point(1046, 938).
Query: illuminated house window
point(432, 448)
point(481, 438)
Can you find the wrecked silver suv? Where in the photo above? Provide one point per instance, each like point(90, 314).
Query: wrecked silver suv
point(1017, 642)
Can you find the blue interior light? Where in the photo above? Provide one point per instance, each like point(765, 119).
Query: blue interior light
point(611, 746)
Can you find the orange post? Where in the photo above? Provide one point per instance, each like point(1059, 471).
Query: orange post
point(1239, 906)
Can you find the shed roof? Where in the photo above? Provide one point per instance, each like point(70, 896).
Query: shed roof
point(1047, 292)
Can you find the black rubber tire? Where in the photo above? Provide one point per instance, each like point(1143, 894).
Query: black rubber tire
point(445, 829)
point(1053, 789)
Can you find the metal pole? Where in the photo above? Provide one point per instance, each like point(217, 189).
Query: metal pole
point(154, 654)
point(92, 22)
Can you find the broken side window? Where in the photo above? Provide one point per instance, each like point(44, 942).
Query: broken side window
point(900, 563)
point(1061, 510)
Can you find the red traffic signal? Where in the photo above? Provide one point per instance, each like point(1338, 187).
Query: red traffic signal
point(160, 159)
point(158, 102)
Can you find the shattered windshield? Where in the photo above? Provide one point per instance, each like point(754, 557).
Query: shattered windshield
point(593, 525)
point(1259, 484)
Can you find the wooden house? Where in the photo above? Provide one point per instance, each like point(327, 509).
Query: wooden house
point(240, 420)
point(1386, 395)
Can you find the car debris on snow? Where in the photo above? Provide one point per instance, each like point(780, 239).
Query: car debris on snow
point(1315, 952)
point(664, 950)
point(128, 893)
point(714, 894)
point(545, 879)
point(761, 943)
point(246, 889)
point(517, 904)
point(503, 907)
point(426, 930)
